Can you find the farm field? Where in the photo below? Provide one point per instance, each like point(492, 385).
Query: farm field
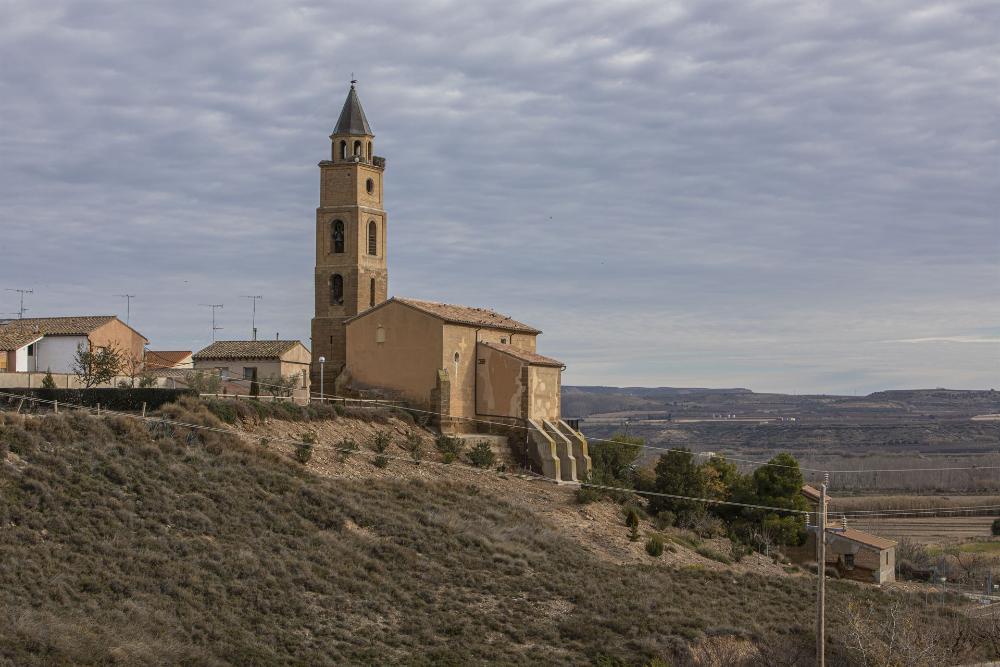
point(928, 530)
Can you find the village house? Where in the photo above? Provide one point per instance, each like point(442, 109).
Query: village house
point(854, 553)
point(246, 362)
point(474, 369)
point(49, 344)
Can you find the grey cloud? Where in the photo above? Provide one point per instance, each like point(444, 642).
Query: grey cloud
point(707, 192)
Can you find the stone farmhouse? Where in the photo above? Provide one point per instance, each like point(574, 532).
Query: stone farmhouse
point(42, 344)
point(472, 367)
point(854, 553)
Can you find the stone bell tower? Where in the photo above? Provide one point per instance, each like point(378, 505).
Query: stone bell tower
point(351, 273)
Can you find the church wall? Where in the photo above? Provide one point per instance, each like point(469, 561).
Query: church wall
point(462, 339)
point(406, 362)
point(499, 387)
point(543, 392)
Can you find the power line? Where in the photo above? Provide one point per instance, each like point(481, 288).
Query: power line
point(709, 455)
point(530, 474)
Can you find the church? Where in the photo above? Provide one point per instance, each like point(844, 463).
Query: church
point(477, 370)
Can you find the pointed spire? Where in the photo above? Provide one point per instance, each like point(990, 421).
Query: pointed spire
point(352, 117)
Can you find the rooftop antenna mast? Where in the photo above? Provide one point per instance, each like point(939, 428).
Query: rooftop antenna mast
point(128, 305)
point(214, 307)
point(253, 314)
point(22, 292)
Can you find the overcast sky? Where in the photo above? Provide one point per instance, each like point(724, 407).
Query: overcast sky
point(781, 195)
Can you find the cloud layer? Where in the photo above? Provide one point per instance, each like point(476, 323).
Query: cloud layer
point(783, 195)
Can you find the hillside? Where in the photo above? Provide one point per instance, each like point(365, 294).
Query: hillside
point(131, 543)
point(658, 402)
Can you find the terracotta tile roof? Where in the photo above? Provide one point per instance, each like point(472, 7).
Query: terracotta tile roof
point(524, 355)
point(165, 358)
point(14, 338)
point(246, 349)
point(62, 326)
point(479, 317)
point(812, 493)
point(862, 537)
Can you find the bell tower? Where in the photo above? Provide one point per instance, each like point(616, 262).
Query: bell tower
point(351, 274)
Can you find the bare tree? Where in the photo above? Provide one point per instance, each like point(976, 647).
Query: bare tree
point(97, 366)
point(279, 385)
point(886, 636)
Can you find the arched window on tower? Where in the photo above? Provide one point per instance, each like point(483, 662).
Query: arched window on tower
point(371, 294)
point(337, 234)
point(336, 290)
point(343, 150)
point(357, 148)
point(369, 150)
point(372, 238)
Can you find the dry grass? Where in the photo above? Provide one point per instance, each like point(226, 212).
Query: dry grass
point(132, 546)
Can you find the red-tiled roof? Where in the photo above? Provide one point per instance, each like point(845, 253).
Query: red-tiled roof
point(246, 349)
point(13, 338)
point(479, 317)
point(862, 537)
point(166, 358)
point(79, 325)
point(524, 355)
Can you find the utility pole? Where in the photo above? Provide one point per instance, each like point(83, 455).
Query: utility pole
point(253, 314)
point(22, 292)
point(214, 307)
point(821, 571)
point(128, 305)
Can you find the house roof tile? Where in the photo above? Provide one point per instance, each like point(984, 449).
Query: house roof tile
point(165, 358)
point(861, 537)
point(531, 358)
point(479, 317)
point(246, 349)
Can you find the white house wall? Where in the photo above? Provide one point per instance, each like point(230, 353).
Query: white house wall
point(21, 360)
point(55, 353)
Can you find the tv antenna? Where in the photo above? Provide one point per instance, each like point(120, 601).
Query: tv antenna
point(22, 292)
point(128, 305)
point(253, 314)
point(214, 307)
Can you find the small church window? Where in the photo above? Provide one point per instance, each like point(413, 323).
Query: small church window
point(380, 334)
point(338, 236)
point(456, 357)
point(370, 186)
point(336, 289)
point(357, 148)
point(371, 294)
point(343, 150)
point(372, 238)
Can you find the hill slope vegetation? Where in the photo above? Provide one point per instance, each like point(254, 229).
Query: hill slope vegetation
point(132, 543)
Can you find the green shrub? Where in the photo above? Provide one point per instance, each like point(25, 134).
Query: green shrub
point(48, 382)
point(381, 461)
point(381, 441)
point(654, 546)
point(665, 519)
point(345, 448)
point(632, 521)
point(712, 554)
point(264, 442)
point(450, 448)
point(995, 527)
point(415, 446)
point(304, 450)
point(481, 455)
